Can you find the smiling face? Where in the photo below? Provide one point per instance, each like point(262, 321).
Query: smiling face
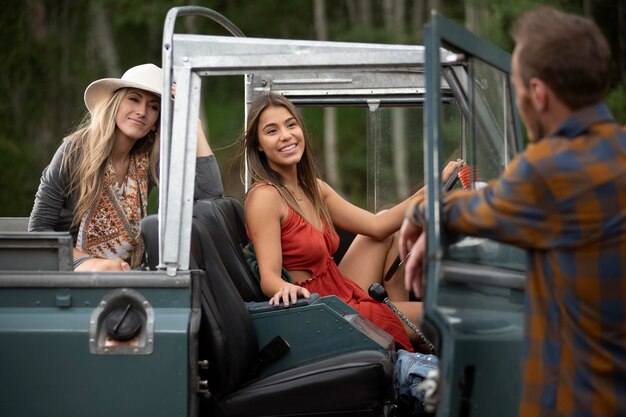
point(281, 138)
point(138, 113)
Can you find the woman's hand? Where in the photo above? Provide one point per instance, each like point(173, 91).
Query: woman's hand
point(289, 292)
point(449, 169)
point(103, 265)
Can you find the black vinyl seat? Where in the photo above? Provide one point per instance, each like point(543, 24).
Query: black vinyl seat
point(348, 384)
point(225, 223)
point(351, 384)
point(150, 236)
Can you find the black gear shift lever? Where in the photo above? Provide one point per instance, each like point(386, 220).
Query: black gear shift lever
point(378, 293)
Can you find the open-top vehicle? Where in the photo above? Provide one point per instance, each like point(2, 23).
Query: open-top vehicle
point(193, 334)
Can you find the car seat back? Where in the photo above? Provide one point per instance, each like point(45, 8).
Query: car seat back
point(225, 223)
point(150, 235)
point(227, 339)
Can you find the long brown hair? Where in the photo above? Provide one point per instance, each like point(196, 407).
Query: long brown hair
point(88, 149)
point(259, 168)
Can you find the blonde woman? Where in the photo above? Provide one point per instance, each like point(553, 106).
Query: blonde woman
point(98, 182)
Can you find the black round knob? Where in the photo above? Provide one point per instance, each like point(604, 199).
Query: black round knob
point(123, 323)
point(377, 292)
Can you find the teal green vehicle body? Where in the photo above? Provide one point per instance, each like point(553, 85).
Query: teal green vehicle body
point(48, 368)
point(326, 325)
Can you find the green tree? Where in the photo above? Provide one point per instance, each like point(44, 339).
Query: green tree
point(54, 48)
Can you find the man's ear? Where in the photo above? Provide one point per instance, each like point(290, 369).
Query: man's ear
point(539, 94)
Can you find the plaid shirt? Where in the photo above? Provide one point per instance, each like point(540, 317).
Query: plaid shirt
point(564, 200)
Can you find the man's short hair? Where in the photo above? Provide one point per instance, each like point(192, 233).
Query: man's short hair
point(567, 52)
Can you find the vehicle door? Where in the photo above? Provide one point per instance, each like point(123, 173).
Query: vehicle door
point(474, 286)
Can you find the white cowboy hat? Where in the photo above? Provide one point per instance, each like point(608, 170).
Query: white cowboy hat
point(146, 77)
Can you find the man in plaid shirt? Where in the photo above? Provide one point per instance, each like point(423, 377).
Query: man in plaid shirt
point(563, 200)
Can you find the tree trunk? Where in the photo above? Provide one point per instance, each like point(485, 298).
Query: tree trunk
point(319, 14)
point(388, 6)
point(330, 113)
point(365, 13)
point(476, 14)
point(393, 15)
point(105, 43)
point(41, 131)
point(399, 21)
point(351, 9)
point(37, 19)
point(418, 18)
point(433, 5)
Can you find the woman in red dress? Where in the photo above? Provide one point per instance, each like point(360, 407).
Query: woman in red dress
point(291, 215)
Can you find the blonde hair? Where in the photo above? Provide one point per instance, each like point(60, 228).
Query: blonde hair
point(259, 167)
point(88, 149)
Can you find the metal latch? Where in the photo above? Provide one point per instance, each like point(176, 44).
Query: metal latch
point(203, 388)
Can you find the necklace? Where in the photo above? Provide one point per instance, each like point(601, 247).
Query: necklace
point(294, 194)
point(296, 197)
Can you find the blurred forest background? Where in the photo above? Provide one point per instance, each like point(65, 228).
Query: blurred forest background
point(54, 48)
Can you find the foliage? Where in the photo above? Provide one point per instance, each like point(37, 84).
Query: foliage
point(616, 101)
point(502, 15)
point(55, 48)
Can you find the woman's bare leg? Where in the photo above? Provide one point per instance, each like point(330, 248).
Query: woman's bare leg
point(367, 260)
point(364, 260)
point(365, 263)
point(395, 286)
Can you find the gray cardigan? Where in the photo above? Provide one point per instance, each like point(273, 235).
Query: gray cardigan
point(54, 207)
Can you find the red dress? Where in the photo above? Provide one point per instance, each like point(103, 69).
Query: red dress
point(305, 248)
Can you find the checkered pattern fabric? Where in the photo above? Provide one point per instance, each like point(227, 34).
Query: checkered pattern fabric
point(564, 200)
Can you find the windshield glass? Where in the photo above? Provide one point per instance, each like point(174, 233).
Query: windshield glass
point(488, 145)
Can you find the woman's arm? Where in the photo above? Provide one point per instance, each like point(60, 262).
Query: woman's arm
point(378, 226)
point(208, 177)
point(83, 262)
point(351, 218)
point(357, 220)
point(50, 196)
point(202, 146)
point(265, 210)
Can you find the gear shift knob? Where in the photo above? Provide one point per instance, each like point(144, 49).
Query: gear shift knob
point(377, 292)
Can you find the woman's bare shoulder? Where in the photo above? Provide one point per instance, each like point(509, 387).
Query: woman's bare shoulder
point(325, 189)
point(323, 186)
point(266, 199)
point(262, 191)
